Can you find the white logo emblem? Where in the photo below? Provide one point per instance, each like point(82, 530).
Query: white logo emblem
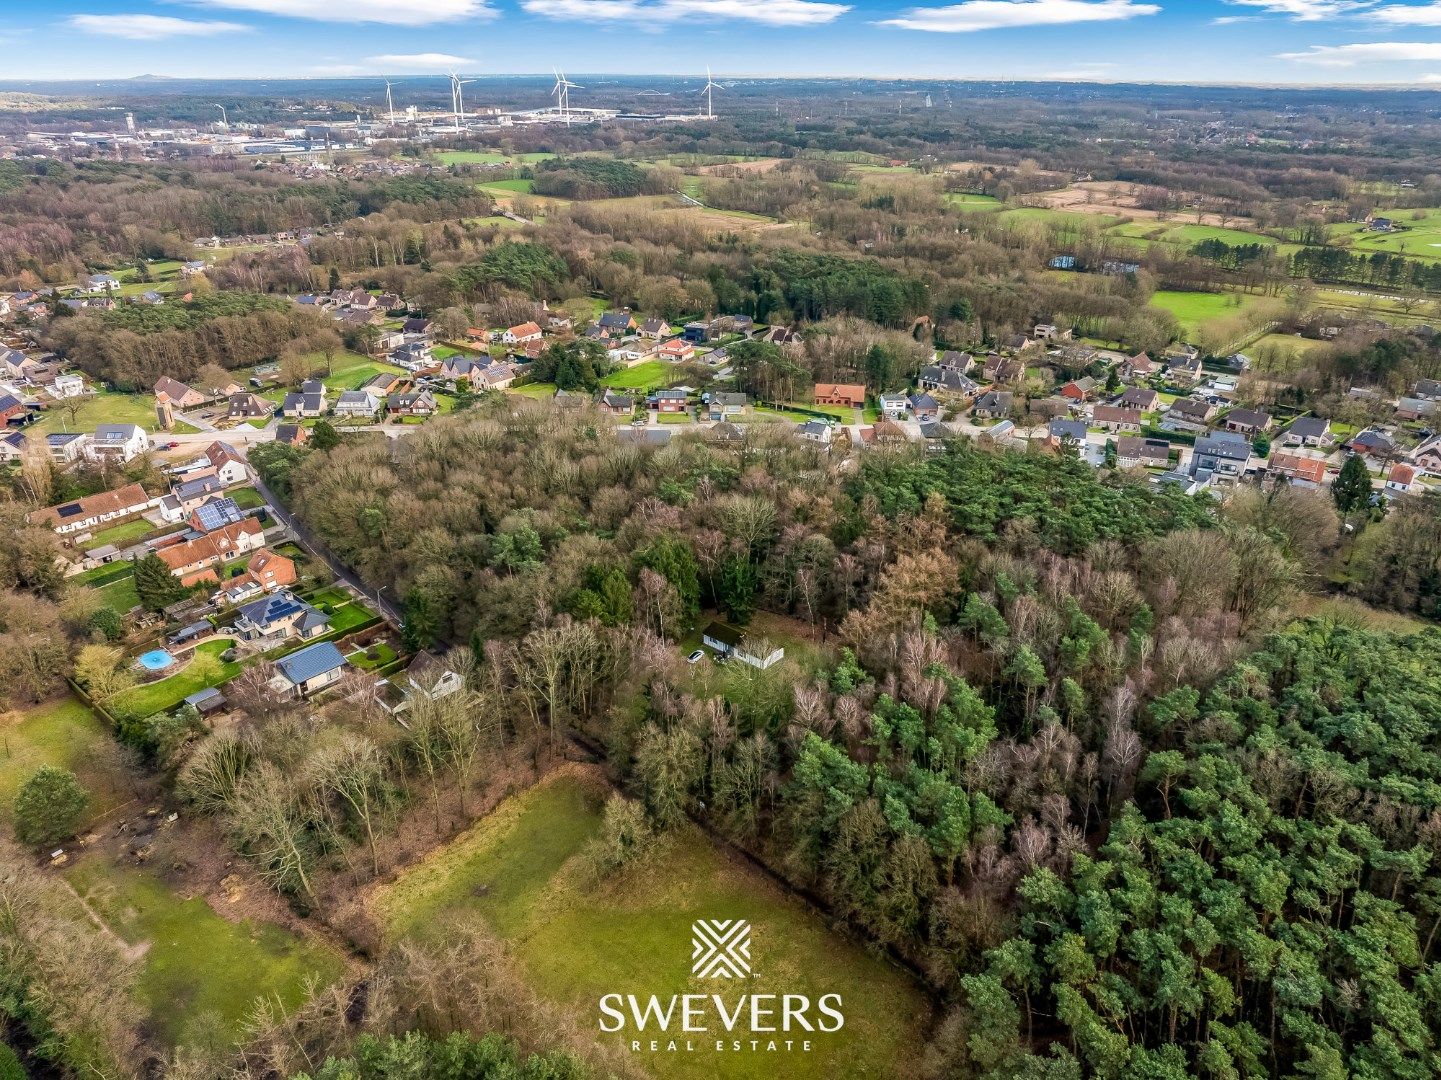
point(720, 948)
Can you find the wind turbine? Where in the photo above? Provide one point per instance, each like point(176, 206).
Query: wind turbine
point(389, 104)
point(710, 85)
point(224, 120)
point(457, 98)
point(561, 90)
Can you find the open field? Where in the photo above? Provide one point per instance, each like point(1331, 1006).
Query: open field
point(61, 732)
point(486, 157)
point(511, 187)
point(1191, 309)
point(647, 376)
point(102, 407)
point(577, 939)
point(1417, 234)
point(201, 974)
point(120, 596)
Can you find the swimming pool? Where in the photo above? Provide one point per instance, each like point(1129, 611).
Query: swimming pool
point(155, 660)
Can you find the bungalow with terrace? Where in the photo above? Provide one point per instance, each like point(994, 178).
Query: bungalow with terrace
point(415, 403)
point(724, 405)
point(655, 329)
point(816, 431)
point(1077, 390)
point(951, 382)
point(851, 395)
point(309, 670)
point(180, 395)
point(1061, 433)
point(1300, 470)
point(279, 616)
point(1141, 398)
point(734, 644)
point(93, 510)
point(383, 383)
point(248, 407)
point(1308, 431)
point(616, 404)
point(676, 350)
point(118, 442)
point(894, 406)
point(1133, 452)
point(196, 560)
point(1117, 418)
point(1247, 421)
point(360, 403)
point(994, 405)
point(924, 407)
point(1188, 414)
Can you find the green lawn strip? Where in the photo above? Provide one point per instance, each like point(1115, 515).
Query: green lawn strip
point(120, 596)
point(577, 939)
point(102, 407)
point(103, 575)
point(63, 732)
point(165, 694)
point(674, 418)
point(525, 187)
point(247, 498)
point(199, 970)
point(384, 654)
point(1191, 309)
point(543, 391)
point(124, 535)
point(644, 377)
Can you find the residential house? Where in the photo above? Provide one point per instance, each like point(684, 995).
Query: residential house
point(994, 405)
point(1401, 480)
point(526, 331)
point(308, 402)
point(1300, 469)
point(1016, 343)
point(616, 323)
point(894, 406)
point(1247, 421)
point(1415, 408)
point(1133, 452)
point(670, 401)
point(1372, 443)
point(655, 329)
point(413, 356)
point(1062, 432)
point(1049, 332)
point(383, 384)
point(215, 513)
point(1308, 431)
point(697, 333)
point(67, 386)
point(196, 560)
point(677, 350)
point(278, 616)
point(1223, 456)
point(310, 669)
point(291, 434)
point(12, 410)
point(725, 404)
point(248, 407)
point(180, 395)
point(1005, 369)
point(118, 442)
point(1141, 398)
point(734, 644)
point(782, 335)
point(733, 324)
point(1427, 456)
point(356, 403)
point(1188, 414)
point(191, 268)
point(495, 377)
point(1117, 418)
point(417, 326)
point(413, 403)
point(93, 510)
point(266, 572)
point(1239, 362)
point(924, 407)
point(1137, 367)
point(463, 369)
point(617, 404)
point(1184, 369)
point(1430, 389)
point(959, 361)
point(14, 364)
point(194, 493)
point(66, 448)
point(852, 395)
point(1082, 389)
point(225, 460)
point(12, 446)
point(816, 431)
point(102, 283)
point(949, 381)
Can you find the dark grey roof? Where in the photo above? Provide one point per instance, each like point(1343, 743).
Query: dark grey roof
point(1310, 427)
point(310, 661)
point(1068, 429)
point(218, 513)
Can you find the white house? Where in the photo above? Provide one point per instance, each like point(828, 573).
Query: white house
point(312, 668)
point(893, 406)
point(67, 386)
point(737, 645)
point(118, 442)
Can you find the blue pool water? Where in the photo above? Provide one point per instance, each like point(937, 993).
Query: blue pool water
point(156, 660)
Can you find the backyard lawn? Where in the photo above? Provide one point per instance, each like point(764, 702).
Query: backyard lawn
point(247, 498)
point(200, 972)
point(102, 407)
point(577, 939)
point(644, 377)
point(164, 695)
point(127, 533)
point(63, 732)
point(119, 595)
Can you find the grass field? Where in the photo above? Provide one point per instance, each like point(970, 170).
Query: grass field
point(486, 157)
point(1418, 237)
point(647, 376)
point(129, 532)
point(120, 596)
point(164, 695)
point(62, 732)
point(968, 201)
point(1191, 309)
point(247, 498)
point(510, 187)
point(103, 407)
point(201, 974)
point(577, 940)
point(541, 390)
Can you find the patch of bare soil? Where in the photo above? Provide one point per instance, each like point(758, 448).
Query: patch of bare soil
point(1117, 198)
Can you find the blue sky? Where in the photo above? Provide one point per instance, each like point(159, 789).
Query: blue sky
point(1254, 41)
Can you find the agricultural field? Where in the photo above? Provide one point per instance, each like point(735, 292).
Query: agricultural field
point(487, 157)
point(1417, 234)
point(969, 201)
point(201, 974)
point(509, 187)
point(1191, 309)
point(522, 871)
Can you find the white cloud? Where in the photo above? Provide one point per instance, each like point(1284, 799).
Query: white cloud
point(396, 12)
point(1306, 10)
point(767, 12)
point(1370, 53)
point(152, 27)
point(1408, 15)
point(1434, 77)
point(429, 61)
point(976, 15)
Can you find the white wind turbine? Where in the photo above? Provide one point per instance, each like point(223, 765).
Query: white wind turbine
point(457, 98)
point(389, 104)
point(710, 85)
point(563, 87)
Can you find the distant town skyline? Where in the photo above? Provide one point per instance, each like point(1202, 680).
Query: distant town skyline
point(1295, 42)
